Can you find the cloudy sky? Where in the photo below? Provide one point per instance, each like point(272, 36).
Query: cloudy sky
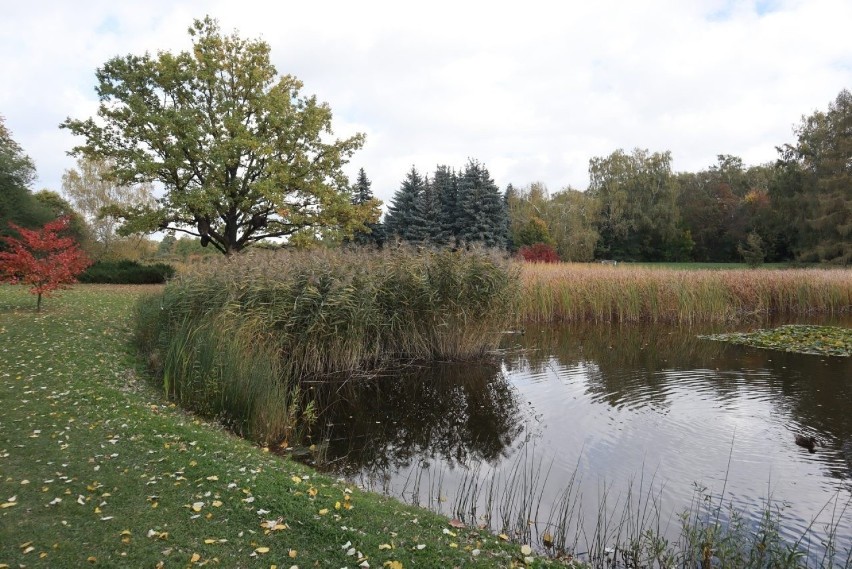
point(532, 89)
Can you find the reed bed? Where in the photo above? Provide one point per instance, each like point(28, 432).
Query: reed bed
point(238, 337)
point(574, 292)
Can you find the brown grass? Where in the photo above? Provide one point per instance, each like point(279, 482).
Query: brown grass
point(583, 292)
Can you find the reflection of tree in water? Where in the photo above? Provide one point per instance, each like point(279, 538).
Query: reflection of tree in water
point(453, 412)
point(639, 363)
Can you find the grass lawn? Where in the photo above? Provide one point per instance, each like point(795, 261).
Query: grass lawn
point(97, 468)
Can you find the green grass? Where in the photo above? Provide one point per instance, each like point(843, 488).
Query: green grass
point(97, 468)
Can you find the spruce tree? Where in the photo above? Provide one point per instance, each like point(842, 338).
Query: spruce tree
point(403, 220)
point(482, 216)
point(445, 183)
point(361, 194)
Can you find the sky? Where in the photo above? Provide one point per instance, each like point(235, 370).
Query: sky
point(531, 89)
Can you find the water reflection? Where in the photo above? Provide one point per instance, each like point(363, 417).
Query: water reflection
point(607, 404)
point(453, 413)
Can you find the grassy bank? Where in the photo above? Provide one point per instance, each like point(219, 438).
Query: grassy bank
point(582, 292)
point(96, 468)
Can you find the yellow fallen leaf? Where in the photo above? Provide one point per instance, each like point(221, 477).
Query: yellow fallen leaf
point(312, 492)
point(7, 505)
point(217, 503)
point(210, 541)
point(196, 506)
point(547, 539)
point(323, 512)
point(393, 564)
point(195, 557)
point(213, 478)
point(454, 544)
point(262, 550)
point(92, 559)
point(292, 553)
point(504, 537)
point(526, 549)
point(337, 505)
point(385, 546)
point(296, 480)
point(125, 532)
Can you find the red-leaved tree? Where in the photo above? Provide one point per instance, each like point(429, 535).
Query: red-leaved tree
point(42, 258)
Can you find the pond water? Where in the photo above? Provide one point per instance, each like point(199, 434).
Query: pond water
point(567, 423)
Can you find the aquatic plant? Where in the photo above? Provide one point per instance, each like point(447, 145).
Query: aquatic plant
point(236, 338)
point(582, 292)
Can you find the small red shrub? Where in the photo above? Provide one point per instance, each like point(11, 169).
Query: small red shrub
point(538, 253)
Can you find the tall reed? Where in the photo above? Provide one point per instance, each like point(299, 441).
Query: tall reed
point(236, 338)
point(580, 292)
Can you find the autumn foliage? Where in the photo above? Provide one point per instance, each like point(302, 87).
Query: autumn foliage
point(44, 259)
point(538, 253)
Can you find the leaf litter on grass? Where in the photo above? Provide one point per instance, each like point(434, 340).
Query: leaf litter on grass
point(95, 467)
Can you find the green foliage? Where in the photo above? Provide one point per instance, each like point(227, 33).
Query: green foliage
point(639, 215)
point(59, 207)
point(821, 340)
point(17, 172)
point(404, 220)
point(482, 217)
point(241, 154)
point(236, 339)
point(127, 272)
point(373, 233)
point(813, 185)
point(534, 231)
point(752, 250)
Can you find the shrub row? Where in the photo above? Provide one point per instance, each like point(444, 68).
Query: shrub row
point(126, 272)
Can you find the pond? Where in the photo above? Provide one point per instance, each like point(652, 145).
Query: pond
point(580, 430)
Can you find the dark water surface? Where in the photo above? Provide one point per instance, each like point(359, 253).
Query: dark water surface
point(639, 410)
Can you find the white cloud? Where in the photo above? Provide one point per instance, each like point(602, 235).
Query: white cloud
point(533, 90)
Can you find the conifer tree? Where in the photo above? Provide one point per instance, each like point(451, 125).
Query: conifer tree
point(362, 194)
point(482, 214)
point(445, 183)
point(402, 220)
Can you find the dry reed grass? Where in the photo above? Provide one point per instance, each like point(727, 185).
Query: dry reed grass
point(575, 292)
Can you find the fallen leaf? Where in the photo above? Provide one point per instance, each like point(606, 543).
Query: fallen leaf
point(323, 512)
point(385, 546)
point(292, 553)
point(262, 550)
point(456, 523)
point(547, 539)
point(526, 549)
point(217, 503)
point(196, 506)
point(504, 537)
point(195, 557)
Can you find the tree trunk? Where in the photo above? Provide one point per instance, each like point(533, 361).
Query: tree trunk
point(38, 303)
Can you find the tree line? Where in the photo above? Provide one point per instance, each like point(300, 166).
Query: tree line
point(636, 208)
point(243, 158)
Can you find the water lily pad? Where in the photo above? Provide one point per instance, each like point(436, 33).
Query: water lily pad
point(820, 340)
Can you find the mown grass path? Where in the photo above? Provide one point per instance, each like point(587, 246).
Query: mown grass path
point(96, 468)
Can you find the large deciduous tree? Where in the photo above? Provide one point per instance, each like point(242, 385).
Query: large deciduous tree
point(639, 215)
point(96, 195)
point(17, 173)
point(813, 185)
point(242, 156)
point(44, 259)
